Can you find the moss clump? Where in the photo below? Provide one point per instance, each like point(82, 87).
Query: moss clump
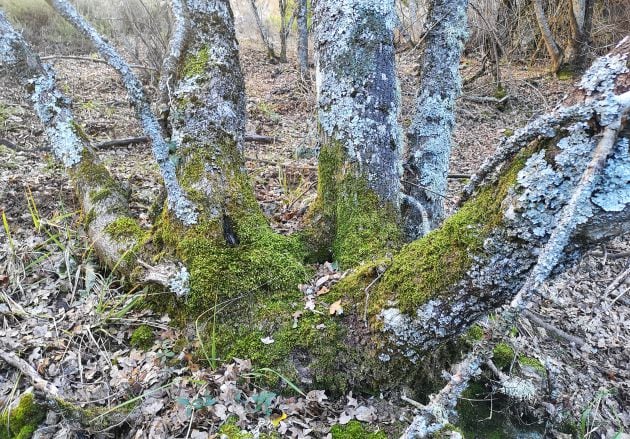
point(565, 74)
point(532, 362)
point(477, 419)
point(100, 195)
point(196, 63)
point(125, 228)
point(508, 132)
point(142, 337)
point(347, 219)
point(231, 431)
point(427, 267)
point(22, 421)
point(474, 334)
point(500, 92)
point(355, 430)
point(503, 355)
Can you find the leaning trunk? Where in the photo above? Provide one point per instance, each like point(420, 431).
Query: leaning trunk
point(431, 130)
point(356, 214)
point(554, 51)
point(581, 22)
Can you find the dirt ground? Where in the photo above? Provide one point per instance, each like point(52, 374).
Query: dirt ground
point(73, 322)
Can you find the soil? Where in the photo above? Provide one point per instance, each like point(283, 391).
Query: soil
point(61, 311)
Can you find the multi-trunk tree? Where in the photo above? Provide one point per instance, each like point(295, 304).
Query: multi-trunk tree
point(555, 187)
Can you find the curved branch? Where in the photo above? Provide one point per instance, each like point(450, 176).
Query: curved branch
point(177, 200)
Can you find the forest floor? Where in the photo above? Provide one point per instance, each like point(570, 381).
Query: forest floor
point(77, 326)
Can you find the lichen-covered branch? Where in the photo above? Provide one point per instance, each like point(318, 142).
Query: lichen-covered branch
point(171, 63)
point(103, 200)
point(435, 415)
point(359, 169)
point(479, 259)
point(430, 133)
point(177, 200)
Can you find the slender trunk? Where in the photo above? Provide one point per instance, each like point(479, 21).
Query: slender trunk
point(356, 212)
point(429, 136)
point(264, 35)
point(284, 29)
point(554, 51)
point(302, 49)
point(102, 198)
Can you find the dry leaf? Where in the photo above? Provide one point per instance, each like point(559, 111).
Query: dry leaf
point(336, 309)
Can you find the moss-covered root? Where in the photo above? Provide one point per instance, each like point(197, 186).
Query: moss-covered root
point(348, 221)
point(21, 421)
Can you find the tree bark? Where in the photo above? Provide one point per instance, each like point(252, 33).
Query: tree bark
point(436, 287)
point(430, 133)
point(555, 52)
point(356, 214)
point(302, 48)
point(285, 28)
point(231, 250)
point(580, 22)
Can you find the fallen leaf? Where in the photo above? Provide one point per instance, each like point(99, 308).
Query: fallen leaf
point(336, 309)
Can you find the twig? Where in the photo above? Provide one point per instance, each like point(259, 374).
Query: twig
point(144, 139)
point(486, 99)
point(96, 60)
point(554, 330)
point(38, 382)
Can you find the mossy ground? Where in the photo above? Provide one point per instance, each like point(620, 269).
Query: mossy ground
point(22, 421)
point(355, 430)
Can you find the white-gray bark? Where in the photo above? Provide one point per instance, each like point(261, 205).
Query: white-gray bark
point(171, 63)
point(357, 88)
point(177, 199)
point(430, 134)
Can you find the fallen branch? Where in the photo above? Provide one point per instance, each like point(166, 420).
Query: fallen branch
point(29, 371)
point(486, 99)
point(95, 60)
point(554, 330)
point(144, 139)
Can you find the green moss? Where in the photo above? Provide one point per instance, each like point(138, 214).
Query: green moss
point(231, 431)
point(508, 132)
point(503, 355)
point(427, 267)
point(355, 430)
point(125, 228)
point(477, 419)
point(22, 421)
point(532, 362)
point(142, 337)
point(196, 63)
point(100, 195)
point(500, 92)
point(347, 219)
point(565, 74)
point(474, 334)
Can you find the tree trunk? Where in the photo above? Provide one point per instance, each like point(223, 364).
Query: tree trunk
point(437, 286)
point(581, 22)
point(231, 250)
point(302, 48)
point(356, 214)
point(284, 28)
point(554, 51)
point(264, 35)
point(430, 133)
